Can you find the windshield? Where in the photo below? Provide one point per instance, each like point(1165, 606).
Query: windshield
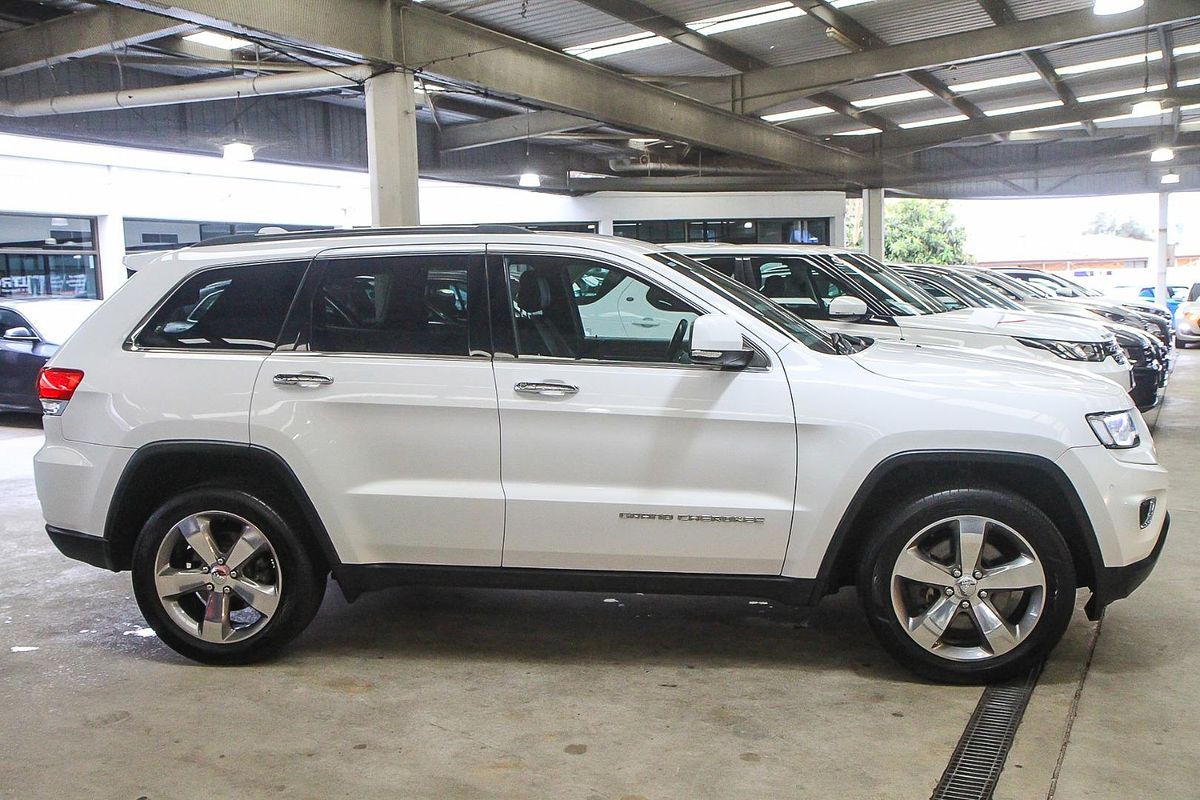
point(748, 299)
point(1009, 287)
point(901, 296)
point(982, 293)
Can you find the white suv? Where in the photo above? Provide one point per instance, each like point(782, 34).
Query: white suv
point(436, 406)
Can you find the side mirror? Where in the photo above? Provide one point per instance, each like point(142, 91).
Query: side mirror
point(1063, 291)
point(20, 334)
point(717, 340)
point(848, 306)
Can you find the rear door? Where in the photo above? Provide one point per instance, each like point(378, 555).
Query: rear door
point(384, 404)
point(618, 453)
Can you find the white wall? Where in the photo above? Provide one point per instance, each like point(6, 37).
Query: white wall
point(46, 176)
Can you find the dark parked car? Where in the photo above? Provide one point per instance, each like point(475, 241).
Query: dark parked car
point(31, 331)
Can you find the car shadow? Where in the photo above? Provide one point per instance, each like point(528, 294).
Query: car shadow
point(9, 419)
point(590, 628)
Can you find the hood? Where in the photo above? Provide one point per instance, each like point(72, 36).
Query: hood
point(1008, 323)
point(966, 369)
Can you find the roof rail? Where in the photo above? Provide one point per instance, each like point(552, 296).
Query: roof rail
point(338, 233)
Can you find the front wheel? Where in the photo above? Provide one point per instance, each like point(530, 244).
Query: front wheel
point(222, 578)
point(968, 585)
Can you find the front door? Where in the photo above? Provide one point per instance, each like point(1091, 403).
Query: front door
point(386, 407)
point(618, 453)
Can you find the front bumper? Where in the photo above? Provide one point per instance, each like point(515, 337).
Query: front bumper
point(1117, 583)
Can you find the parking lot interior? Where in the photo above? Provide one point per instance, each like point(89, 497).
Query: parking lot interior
point(434, 693)
point(599, 399)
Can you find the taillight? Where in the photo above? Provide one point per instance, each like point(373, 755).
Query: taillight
point(56, 387)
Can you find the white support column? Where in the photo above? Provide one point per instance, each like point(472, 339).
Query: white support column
point(110, 241)
point(392, 149)
point(1161, 263)
point(873, 222)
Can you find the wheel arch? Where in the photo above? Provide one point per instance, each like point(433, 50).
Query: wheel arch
point(1035, 478)
point(155, 471)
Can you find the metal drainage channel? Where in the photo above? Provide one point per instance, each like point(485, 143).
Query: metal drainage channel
point(979, 756)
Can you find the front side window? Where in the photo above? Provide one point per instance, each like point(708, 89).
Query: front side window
point(565, 307)
point(937, 292)
point(401, 305)
point(228, 308)
point(798, 285)
point(10, 319)
point(901, 297)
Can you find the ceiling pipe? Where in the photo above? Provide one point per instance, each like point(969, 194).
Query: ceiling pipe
point(223, 89)
point(635, 166)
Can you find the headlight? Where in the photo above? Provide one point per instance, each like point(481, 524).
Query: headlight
point(1071, 351)
point(1115, 430)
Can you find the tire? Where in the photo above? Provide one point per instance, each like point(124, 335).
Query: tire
point(907, 571)
point(254, 613)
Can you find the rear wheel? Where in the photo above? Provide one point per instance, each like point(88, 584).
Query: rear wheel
point(968, 585)
point(222, 578)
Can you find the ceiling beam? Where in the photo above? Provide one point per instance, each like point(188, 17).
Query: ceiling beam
point(855, 36)
point(76, 35)
point(510, 129)
point(917, 138)
point(1002, 14)
point(648, 19)
point(432, 43)
point(762, 89)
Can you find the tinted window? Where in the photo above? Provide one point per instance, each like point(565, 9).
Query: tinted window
point(230, 308)
point(572, 308)
point(797, 284)
point(10, 319)
point(411, 305)
point(936, 291)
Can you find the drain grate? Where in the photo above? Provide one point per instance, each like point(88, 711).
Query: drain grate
point(979, 756)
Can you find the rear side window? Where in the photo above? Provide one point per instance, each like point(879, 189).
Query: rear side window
point(401, 305)
point(229, 308)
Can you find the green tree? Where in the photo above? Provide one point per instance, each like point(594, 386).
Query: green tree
point(924, 232)
point(1127, 228)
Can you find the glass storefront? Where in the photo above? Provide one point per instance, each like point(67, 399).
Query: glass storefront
point(163, 234)
point(48, 256)
point(812, 230)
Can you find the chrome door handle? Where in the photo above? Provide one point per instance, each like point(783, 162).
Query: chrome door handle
point(646, 322)
point(305, 380)
point(546, 388)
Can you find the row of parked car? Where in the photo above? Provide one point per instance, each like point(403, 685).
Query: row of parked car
point(492, 407)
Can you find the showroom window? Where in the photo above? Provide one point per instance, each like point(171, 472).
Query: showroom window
point(228, 308)
point(165, 234)
point(48, 256)
point(813, 230)
point(561, 227)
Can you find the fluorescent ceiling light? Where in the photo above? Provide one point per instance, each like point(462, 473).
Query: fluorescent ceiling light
point(997, 112)
point(858, 132)
point(708, 26)
point(802, 113)
point(1058, 127)
point(1103, 7)
point(1108, 63)
point(1170, 177)
point(612, 47)
point(237, 151)
point(1162, 154)
point(992, 83)
point(1147, 108)
point(1188, 82)
point(529, 180)
point(217, 40)
point(746, 19)
point(888, 99)
point(925, 123)
point(1091, 98)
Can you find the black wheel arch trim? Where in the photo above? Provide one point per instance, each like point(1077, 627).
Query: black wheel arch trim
point(266, 456)
point(842, 535)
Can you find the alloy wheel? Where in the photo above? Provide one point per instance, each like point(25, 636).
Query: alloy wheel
point(217, 576)
point(968, 588)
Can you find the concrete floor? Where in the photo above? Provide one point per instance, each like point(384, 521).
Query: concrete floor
point(489, 694)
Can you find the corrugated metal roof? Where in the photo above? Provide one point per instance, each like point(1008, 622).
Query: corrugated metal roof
point(556, 23)
point(667, 59)
point(1030, 9)
point(784, 42)
point(899, 21)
